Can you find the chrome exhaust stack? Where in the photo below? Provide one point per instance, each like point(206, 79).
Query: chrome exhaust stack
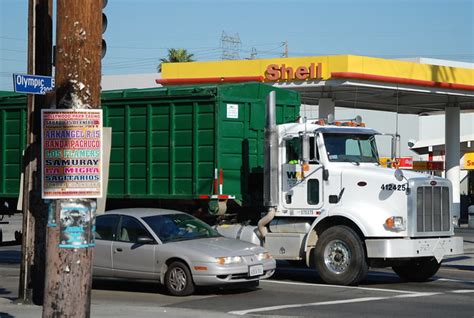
point(270, 170)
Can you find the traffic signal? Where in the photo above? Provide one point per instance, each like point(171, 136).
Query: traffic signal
point(104, 27)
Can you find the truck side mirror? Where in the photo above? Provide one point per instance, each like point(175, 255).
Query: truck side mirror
point(399, 175)
point(304, 138)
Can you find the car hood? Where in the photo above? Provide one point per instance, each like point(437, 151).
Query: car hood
point(218, 247)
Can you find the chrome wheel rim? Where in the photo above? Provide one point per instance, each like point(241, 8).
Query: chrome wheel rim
point(337, 256)
point(177, 279)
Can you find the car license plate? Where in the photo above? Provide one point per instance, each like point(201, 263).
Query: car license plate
point(255, 270)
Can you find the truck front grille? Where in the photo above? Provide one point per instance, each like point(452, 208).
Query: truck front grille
point(432, 209)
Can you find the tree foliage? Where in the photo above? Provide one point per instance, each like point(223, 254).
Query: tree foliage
point(176, 56)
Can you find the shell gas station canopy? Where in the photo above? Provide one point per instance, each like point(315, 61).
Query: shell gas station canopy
point(355, 82)
point(350, 81)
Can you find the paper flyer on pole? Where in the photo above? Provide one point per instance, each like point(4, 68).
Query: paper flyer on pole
point(77, 224)
point(71, 153)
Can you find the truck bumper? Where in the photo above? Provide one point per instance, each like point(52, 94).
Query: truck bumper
point(410, 248)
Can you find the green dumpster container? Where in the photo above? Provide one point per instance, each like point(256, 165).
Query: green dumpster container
point(172, 143)
point(12, 142)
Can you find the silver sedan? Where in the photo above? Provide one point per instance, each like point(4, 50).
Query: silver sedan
point(174, 248)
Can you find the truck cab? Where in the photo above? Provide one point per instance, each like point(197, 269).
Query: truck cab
point(340, 211)
point(309, 158)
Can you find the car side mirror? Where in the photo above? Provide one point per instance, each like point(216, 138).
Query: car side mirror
point(145, 240)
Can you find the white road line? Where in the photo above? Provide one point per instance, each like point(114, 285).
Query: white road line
point(448, 280)
point(463, 291)
point(326, 303)
point(455, 280)
point(335, 302)
point(416, 295)
point(339, 286)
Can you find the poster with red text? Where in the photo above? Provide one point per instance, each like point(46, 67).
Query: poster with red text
point(71, 153)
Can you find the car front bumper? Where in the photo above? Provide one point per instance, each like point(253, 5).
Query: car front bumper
point(230, 274)
point(414, 247)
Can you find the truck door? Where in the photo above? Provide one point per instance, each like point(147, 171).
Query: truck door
point(302, 184)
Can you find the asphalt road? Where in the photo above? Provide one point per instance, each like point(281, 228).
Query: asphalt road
point(295, 291)
point(299, 292)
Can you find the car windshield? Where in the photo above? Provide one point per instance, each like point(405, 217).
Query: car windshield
point(179, 227)
point(351, 148)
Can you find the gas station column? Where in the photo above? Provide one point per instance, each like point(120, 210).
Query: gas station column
point(453, 139)
point(326, 107)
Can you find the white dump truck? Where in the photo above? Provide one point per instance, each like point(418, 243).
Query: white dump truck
point(332, 205)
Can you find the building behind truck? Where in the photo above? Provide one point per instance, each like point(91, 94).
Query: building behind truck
point(326, 200)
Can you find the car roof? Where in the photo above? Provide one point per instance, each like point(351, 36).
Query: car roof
point(143, 212)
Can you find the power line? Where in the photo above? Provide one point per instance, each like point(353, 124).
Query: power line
point(12, 38)
point(12, 60)
point(13, 50)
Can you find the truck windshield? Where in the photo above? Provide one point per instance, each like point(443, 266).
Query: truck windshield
point(351, 148)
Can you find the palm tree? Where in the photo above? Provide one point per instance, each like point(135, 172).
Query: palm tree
point(176, 56)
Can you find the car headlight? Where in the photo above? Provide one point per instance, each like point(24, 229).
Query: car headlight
point(229, 260)
point(264, 256)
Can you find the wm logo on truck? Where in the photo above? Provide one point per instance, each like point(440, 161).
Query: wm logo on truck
point(294, 175)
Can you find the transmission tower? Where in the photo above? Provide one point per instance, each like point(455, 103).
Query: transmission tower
point(230, 45)
point(285, 45)
point(253, 54)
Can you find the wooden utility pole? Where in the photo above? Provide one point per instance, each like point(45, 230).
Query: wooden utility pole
point(78, 74)
point(40, 36)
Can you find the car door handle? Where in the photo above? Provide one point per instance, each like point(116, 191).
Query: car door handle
point(118, 249)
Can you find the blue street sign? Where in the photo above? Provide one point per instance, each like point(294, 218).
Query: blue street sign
point(32, 84)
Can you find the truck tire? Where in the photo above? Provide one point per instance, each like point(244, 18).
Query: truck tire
point(340, 256)
point(418, 269)
point(178, 279)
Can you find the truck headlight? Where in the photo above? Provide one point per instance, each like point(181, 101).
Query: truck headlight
point(395, 223)
point(229, 260)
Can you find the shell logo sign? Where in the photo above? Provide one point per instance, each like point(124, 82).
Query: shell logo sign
point(402, 162)
point(469, 161)
point(275, 72)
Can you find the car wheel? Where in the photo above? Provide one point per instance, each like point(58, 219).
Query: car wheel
point(417, 270)
point(178, 279)
point(340, 256)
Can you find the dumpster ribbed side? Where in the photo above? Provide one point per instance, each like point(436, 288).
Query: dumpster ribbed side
point(168, 142)
point(12, 143)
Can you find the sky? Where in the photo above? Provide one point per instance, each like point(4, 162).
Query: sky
point(139, 32)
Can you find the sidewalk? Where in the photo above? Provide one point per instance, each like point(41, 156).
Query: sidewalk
point(11, 310)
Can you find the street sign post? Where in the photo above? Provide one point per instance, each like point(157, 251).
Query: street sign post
point(32, 84)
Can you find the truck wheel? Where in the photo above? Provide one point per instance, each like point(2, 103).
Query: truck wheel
point(418, 269)
point(340, 256)
point(178, 280)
